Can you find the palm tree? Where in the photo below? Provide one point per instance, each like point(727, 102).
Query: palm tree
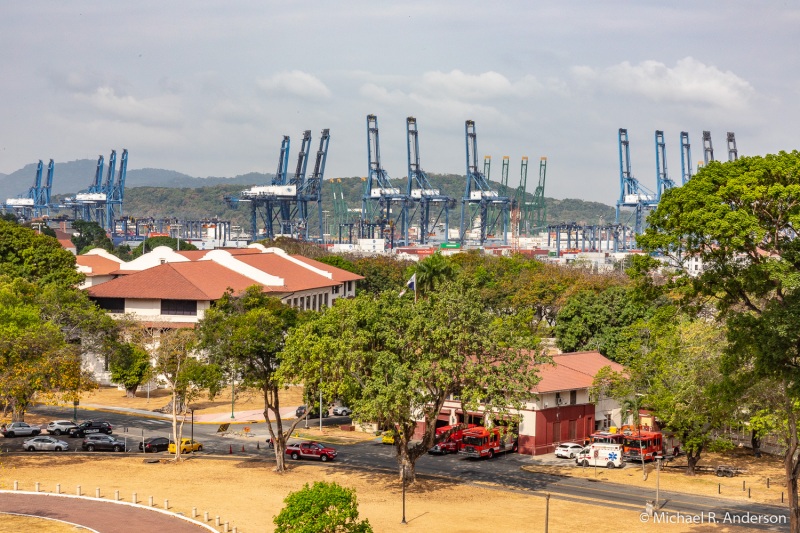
point(432, 272)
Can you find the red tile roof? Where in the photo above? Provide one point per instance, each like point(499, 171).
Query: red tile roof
point(296, 278)
point(201, 281)
point(98, 264)
point(572, 371)
point(339, 274)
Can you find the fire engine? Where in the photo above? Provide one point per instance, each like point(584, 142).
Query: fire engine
point(453, 442)
point(486, 442)
point(642, 445)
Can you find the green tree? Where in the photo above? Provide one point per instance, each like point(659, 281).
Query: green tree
point(593, 321)
point(40, 349)
point(89, 235)
point(321, 508)
point(245, 335)
point(130, 366)
point(25, 253)
point(739, 219)
point(432, 272)
point(186, 374)
point(399, 361)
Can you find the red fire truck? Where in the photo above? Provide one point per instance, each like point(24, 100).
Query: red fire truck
point(453, 442)
point(642, 445)
point(487, 442)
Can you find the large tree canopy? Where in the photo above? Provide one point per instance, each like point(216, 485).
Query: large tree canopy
point(26, 254)
point(740, 219)
point(399, 361)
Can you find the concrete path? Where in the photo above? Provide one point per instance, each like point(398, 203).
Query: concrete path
point(106, 516)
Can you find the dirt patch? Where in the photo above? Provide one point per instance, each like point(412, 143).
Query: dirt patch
point(15, 524)
point(673, 477)
point(248, 494)
point(156, 398)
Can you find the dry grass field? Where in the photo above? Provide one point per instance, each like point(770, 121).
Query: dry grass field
point(248, 494)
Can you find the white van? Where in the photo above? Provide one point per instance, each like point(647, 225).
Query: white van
point(600, 454)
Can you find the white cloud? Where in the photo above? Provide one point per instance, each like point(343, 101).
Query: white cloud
point(689, 82)
point(159, 111)
point(296, 83)
point(487, 85)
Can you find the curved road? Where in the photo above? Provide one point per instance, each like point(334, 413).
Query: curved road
point(105, 516)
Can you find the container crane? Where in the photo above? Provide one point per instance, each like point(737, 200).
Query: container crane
point(686, 158)
point(487, 166)
point(631, 192)
point(379, 193)
point(289, 206)
point(44, 196)
point(518, 202)
point(708, 148)
point(116, 194)
point(87, 202)
point(663, 181)
point(536, 210)
point(421, 193)
point(733, 153)
point(28, 206)
point(478, 194)
point(311, 188)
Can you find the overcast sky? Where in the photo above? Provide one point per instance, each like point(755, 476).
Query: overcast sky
point(209, 88)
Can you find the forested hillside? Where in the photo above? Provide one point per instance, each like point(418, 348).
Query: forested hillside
point(207, 202)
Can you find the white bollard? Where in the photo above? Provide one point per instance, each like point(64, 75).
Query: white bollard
point(97, 492)
point(225, 527)
point(150, 501)
point(58, 488)
point(218, 522)
point(116, 495)
point(194, 512)
point(78, 491)
point(16, 485)
point(134, 499)
point(205, 515)
point(37, 486)
point(166, 504)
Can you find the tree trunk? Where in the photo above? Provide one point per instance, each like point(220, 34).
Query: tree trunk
point(755, 442)
point(791, 464)
point(130, 392)
point(176, 437)
point(407, 468)
point(692, 458)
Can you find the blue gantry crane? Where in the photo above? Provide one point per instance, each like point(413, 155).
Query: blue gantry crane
point(631, 193)
point(479, 196)
point(36, 202)
point(427, 201)
point(379, 193)
point(311, 189)
point(536, 210)
point(686, 158)
point(733, 153)
point(663, 181)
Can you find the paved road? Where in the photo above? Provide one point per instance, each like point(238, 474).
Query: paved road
point(107, 517)
point(504, 471)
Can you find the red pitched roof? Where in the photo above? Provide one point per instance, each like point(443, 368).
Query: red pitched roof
point(339, 274)
point(98, 264)
point(572, 371)
point(296, 278)
point(203, 280)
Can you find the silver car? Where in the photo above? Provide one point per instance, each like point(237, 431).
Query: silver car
point(45, 444)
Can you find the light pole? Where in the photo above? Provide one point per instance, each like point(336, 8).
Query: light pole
point(658, 471)
point(403, 521)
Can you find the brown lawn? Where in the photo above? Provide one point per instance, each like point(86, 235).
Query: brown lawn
point(248, 494)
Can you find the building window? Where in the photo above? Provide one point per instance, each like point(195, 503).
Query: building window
point(336, 289)
point(112, 305)
point(326, 299)
point(314, 304)
point(179, 307)
point(573, 397)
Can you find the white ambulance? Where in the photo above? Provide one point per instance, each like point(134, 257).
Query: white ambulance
point(600, 454)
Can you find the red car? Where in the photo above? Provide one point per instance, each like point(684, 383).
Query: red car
point(310, 450)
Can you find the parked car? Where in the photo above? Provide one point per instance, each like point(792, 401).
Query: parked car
point(154, 444)
point(187, 445)
point(568, 450)
point(90, 427)
point(45, 444)
point(301, 412)
point(19, 429)
point(341, 410)
point(57, 427)
point(388, 437)
point(310, 450)
point(102, 442)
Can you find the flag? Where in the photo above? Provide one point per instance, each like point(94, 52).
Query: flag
point(410, 284)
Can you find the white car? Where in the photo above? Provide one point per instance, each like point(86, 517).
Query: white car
point(45, 444)
point(341, 410)
point(568, 450)
point(57, 427)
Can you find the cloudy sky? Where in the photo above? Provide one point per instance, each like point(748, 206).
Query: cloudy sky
point(209, 88)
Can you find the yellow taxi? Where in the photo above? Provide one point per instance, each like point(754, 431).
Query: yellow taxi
point(187, 445)
point(388, 437)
